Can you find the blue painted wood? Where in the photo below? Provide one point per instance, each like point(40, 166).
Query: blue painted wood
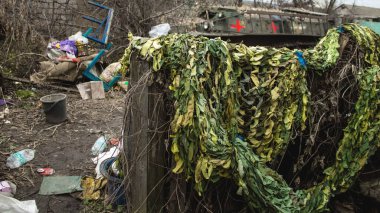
point(93, 19)
point(89, 30)
point(98, 5)
point(103, 25)
point(101, 38)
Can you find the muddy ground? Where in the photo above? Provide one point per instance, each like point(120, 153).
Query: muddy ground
point(65, 147)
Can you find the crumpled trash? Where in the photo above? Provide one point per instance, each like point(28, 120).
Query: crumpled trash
point(52, 185)
point(79, 38)
point(115, 167)
point(12, 205)
point(159, 30)
point(123, 85)
point(5, 102)
point(65, 70)
point(99, 145)
point(110, 72)
point(67, 46)
point(114, 141)
point(55, 54)
point(7, 188)
point(113, 152)
point(4, 112)
point(92, 188)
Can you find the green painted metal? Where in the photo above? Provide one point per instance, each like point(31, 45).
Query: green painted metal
point(231, 21)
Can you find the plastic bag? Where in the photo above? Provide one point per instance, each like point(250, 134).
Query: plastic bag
point(113, 152)
point(110, 72)
point(7, 188)
point(159, 30)
point(78, 37)
point(11, 205)
point(99, 146)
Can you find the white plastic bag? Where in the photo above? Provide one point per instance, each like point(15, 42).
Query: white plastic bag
point(113, 152)
point(159, 30)
point(78, 37)
point(11, 205)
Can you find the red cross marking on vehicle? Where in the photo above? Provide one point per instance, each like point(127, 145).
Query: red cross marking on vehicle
point(274, 27)
point(237, 26)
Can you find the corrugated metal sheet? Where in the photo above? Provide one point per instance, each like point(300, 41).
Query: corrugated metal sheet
point(375, 26)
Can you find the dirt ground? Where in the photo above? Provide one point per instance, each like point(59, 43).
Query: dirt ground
point(65, 147)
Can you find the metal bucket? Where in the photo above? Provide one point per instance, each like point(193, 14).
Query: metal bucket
point(54, 107)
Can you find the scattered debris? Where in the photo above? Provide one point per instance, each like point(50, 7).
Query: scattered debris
point(159, 30)
point(66, 70)
point(115, 189)
point(91, 90)
point(20, 158)
point(4, 102)
point(12, 205)
point(69, 48)
point(123, 85)
point(99, 146)
point(115, 168)
point(113, 152)
point(110, 72)
point(4, 112)
point(7, 188)
point(46, 171)
point(60, 185)
point(92, 188)
point(114, 141)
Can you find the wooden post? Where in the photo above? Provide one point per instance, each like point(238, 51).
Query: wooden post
point(145, 132)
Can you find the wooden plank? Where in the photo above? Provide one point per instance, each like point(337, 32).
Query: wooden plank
point(136, 140)
point(144, 141)
point(97, 90)
point(41, 85)
point(158, 131)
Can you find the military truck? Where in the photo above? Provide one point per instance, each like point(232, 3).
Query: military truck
point(257, 26)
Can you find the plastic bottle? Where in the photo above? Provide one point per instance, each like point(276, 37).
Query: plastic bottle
point(99, 146)
point(19, 158)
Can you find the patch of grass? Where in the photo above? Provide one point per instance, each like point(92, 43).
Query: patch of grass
point(24, 94)
point(100, 206)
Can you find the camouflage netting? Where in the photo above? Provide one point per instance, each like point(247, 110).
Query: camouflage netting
point(236, 108)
